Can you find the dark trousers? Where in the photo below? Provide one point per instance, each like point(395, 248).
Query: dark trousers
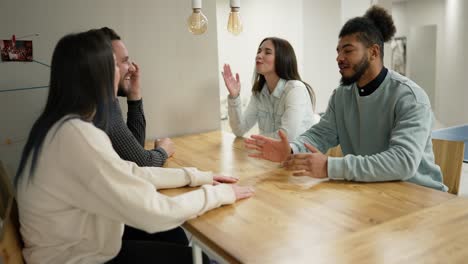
point(163, 247)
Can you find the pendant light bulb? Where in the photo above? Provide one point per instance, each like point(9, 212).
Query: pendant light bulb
point(234, 22)
point(197, 22)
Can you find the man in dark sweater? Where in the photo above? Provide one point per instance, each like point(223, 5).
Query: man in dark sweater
point(128, 139)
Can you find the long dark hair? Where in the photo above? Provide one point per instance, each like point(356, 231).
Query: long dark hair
point(285, 67)
point(81, 86)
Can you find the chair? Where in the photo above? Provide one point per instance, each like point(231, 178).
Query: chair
point(10, 240)
point(335, 152)
point(455, 133)
point(449, 156)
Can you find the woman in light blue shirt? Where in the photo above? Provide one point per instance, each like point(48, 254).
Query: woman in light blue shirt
point(280, 99)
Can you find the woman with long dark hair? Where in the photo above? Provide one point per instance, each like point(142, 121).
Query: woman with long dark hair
point(280, 99)
point(75, 193)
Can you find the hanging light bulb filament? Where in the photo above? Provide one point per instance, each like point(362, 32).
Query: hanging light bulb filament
point(197, 22)
point(234, 22)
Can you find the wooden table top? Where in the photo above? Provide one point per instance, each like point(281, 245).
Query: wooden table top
point(432, 235)
point(291, 220)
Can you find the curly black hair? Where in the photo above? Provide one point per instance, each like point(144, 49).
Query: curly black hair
point(375, 27)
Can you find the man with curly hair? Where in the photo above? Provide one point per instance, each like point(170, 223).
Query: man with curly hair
point(381, 119)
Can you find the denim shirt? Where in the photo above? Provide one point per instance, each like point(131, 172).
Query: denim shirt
point(288, 108)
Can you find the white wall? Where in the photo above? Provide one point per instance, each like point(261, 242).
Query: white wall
point(418, 13)
point(421, 62)
point(322, 23)
point(179, 70)
point(449, 16)
point(353, 8)
point(399, 15)
point(453, 91)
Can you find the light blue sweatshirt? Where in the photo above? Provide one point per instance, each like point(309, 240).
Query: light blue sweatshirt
point(385, 136)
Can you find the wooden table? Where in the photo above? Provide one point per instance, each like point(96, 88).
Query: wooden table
point(331, 222)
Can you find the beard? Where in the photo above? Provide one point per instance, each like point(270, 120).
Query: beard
point(121, 90)
point(359, 70)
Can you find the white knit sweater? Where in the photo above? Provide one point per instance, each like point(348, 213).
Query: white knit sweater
point(73, 209)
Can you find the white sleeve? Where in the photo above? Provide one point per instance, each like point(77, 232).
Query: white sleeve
point(100, 182)
point(166, 178)
point(240, 122)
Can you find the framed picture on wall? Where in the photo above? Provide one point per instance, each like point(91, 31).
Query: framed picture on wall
point(399, 55)
point(19, 50)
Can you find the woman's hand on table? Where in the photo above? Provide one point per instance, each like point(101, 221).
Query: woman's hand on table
point(241, 192)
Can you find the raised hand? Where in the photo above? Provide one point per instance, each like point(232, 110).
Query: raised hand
point(268, 148)
point(134, 92)
point(313, 164)
point(232, 84)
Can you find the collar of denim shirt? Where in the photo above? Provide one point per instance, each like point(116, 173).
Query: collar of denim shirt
point(279, 89)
